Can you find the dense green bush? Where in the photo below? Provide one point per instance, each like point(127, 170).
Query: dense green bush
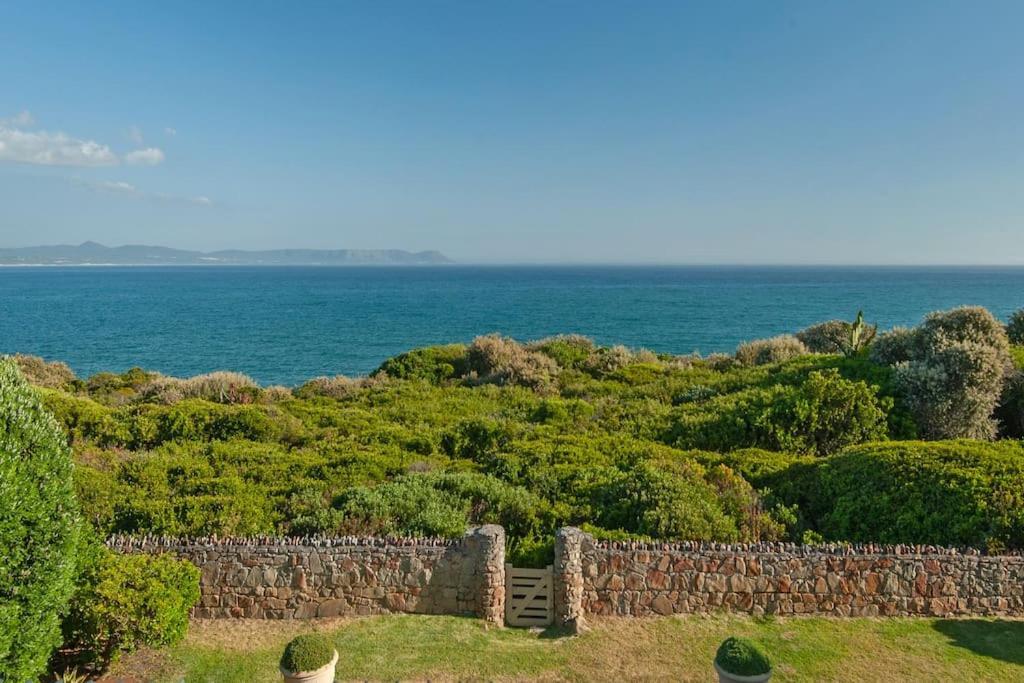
point(306, 653)
point(433, 363)
point(826, 337)
point(742, 657)
point(128, 601)
point(775, 350)
point(821, 415)
point(948, 493)
point(39, 529)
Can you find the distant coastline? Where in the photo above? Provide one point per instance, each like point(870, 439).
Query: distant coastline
point(99, 255)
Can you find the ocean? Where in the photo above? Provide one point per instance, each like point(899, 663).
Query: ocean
point(283, 325)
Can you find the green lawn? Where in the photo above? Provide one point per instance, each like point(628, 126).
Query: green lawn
point(447, 648)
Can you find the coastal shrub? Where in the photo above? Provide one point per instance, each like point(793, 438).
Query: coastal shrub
point(494, 359)
point(306, 653)
point(898, 345)
point(953, 378)
point(338, 387)
point(434, 364)
point(647, 500)
point(217, 387)
point(52, 375)
point(825, 414)
point(775, 350)
point(1010, 413)
point(128, 601)
point(570, 351)
point(607, 360)
point(438, 504)
point(826, 337)
point(819, 416)
point(1015, 328)
point(962, 493)
point(276, 394)
point(39, 528)
point(839, 336)
point(742, 657)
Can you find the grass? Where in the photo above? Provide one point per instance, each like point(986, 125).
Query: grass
point(678, 648)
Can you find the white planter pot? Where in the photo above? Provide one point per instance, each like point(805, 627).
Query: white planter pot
point(324, 674)
point(726, 677)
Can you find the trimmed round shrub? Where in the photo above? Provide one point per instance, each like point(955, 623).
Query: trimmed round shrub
point(39, 529)
point(128, 601)
point(742, 657)
point(895, 346)
point(775, 350)
point(1015, 328)
point(307, 652)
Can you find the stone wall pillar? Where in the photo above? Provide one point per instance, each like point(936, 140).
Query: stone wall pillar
point(568, 579)
point(486, 545)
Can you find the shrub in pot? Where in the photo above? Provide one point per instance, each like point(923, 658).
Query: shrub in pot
point(740, 660)
point(309, 658)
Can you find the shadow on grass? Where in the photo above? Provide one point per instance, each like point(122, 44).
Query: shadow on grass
point(1002, 640)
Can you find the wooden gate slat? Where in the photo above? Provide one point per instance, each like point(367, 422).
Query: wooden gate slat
point(528, 596)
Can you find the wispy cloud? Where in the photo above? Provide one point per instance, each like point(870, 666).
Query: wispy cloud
point(121, 187)
point(151, 156)
point(46, 148)
point(52, 149)
point(135, 135)
point(170, 131)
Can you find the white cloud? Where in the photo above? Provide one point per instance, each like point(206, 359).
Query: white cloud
point(135, 135)
point(124, 188)
point(170, 131)
point(151, 156)
point(52, 149)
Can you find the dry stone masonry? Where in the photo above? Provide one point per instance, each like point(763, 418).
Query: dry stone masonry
point(314, 577)
point(636, 579)
point(317, 577)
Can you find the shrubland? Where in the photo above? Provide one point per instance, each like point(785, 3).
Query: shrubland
point(786, 440)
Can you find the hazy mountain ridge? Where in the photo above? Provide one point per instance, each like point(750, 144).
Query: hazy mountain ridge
point(92, 253)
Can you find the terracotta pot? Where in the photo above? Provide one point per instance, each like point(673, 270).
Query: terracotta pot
point(325, 674)
point(726, 677)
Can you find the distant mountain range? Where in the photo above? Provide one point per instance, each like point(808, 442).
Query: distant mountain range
point(92, 253)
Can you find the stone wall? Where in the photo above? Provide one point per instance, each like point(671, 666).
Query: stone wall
point(635, 579)
point(305, 578)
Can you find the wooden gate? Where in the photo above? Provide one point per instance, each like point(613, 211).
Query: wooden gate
point(529, 596)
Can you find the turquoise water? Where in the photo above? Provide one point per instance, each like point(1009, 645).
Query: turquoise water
point(284, 325)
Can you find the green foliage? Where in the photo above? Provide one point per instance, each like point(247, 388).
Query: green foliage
point(306, 653)
point(742, 657)
point(36, 371)
point(820, 415)
point(947, 493)
point(128, 601)
point(39, 529)
point(839, 336)
point(434, 364)
point(1015, 328)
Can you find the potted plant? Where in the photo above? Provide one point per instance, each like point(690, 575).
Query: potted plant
point(309, 658)
point(742, 661)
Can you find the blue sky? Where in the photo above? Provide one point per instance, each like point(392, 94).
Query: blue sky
point(734, 132)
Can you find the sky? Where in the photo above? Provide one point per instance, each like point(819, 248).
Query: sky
point(597, 132)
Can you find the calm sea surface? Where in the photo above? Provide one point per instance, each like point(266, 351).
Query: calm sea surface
point(285, 325)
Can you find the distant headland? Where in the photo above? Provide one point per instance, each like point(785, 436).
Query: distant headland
point(94, 254)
